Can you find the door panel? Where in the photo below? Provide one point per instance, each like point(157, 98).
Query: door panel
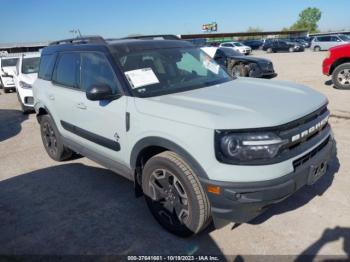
point(101, 124)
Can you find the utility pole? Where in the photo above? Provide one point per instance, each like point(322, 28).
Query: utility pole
point(76, 33)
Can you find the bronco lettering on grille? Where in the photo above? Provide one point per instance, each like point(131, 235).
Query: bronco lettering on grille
point(311, 130)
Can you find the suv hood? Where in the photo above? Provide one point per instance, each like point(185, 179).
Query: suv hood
point(29, 78)
point(238, 104)
point(250, 59)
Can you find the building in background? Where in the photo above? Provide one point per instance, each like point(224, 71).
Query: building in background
point(21, 47)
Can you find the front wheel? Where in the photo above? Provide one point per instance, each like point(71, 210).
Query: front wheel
point(317, 49)
point(341, 76)
point(52, 139)
point(174, 195)
point(239, 71)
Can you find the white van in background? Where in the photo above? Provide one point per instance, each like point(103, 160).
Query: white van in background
point(324, 42)
point(26, 72)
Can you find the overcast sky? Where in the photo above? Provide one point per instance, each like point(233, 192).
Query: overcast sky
point(40, 20)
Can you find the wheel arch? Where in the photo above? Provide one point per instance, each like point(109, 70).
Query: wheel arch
point(40, 111)
point(148, 147)
point(337, 63)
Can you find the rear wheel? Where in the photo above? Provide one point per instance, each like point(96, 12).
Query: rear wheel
point(52, 140)
point(269, 50)
point(317, 49)
point(341, 76)
point(174, 194)
point(291, 49)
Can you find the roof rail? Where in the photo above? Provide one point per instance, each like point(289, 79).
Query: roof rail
point(80, 40)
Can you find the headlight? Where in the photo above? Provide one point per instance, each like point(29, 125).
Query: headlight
point(243, 148)
point(24, 85)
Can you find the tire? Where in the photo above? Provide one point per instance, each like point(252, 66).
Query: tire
point(174, 195)
point(6, 90)
point(269, 50)
point(239, 71)
point(317, 48)
point(52, 140)
point(341, 76)
point(291, 49)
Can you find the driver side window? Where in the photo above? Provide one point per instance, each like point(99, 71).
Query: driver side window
point(96, 69)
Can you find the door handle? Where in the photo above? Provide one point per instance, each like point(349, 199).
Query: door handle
point(81, 106)
point(51, 97)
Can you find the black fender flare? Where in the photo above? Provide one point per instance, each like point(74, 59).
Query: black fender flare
point(165, 143)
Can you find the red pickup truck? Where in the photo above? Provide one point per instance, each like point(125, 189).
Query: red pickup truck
point(337, 64)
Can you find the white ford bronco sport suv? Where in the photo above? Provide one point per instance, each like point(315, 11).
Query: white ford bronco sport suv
point(197, 143)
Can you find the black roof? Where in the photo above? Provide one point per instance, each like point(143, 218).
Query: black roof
point(120, 46)
point(134, 45)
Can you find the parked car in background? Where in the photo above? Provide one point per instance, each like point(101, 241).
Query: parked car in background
point(324, 42)
point(253, 44)
point(237, 64)
point(7, 68)
point(337, 64)
point(237, 46)
point(300, 41)
point(282, 45)
point(24, 76)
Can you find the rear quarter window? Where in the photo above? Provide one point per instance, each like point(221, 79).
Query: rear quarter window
point(46, 66)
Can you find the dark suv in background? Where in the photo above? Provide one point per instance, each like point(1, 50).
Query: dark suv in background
point(272, 46)
point(254, 44)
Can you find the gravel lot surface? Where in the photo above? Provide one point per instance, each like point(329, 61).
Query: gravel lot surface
point(79, 207)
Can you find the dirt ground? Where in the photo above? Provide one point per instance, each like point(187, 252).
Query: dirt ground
point(78, 207)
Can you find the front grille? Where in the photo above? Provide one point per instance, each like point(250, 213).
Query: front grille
point(305, 131)
point(302, 160)
point(267, 66)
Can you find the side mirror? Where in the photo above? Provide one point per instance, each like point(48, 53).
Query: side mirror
point(100, 92)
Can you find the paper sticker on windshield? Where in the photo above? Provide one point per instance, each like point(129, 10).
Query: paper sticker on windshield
point(141, 77)
point(211, 66)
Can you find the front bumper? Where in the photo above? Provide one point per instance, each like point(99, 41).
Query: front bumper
point(241, 202)
point(8, 82)
point(326, 65)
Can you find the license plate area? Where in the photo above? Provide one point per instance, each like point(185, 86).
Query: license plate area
point(317, 171)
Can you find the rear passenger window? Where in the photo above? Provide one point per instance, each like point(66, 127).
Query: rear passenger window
point(47, 63)
point(67, 71)
point(96, 70)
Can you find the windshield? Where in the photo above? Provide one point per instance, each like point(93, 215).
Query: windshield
point(237, 44)
point(344, 37)
point(230, 52)
point(163, 71)
point(30, 65)
point(8, 62)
